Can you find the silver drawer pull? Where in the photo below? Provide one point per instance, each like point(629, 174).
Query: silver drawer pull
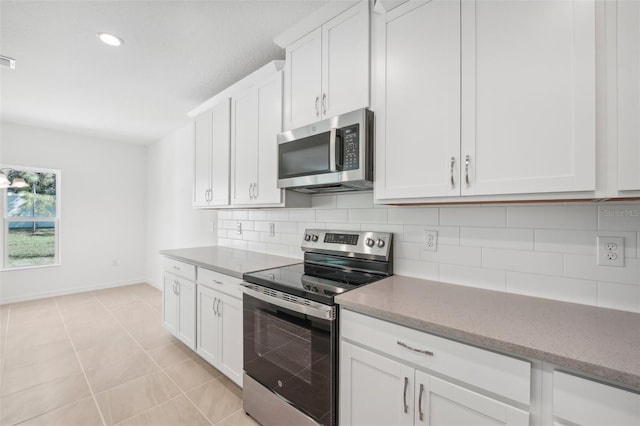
point(218, 282)
point(176, 268)
point(404, 397)
point(420, 351)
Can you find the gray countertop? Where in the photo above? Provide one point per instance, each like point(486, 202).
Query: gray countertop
point(595, 341)
point(229, 261)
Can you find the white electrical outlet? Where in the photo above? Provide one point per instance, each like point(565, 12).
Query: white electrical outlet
point(610, 251)
point(431, 240)
point(239, 228)
point(212, 226)
point(272, 229)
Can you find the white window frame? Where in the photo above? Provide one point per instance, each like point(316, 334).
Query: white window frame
point(4, 246)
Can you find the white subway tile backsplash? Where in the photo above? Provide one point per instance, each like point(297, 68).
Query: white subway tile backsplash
point(332, 215)
point(552, 217)
point(619, 296)
point(257, 215)
point(416, 269)
point(324, 201)
point(278, 215)
point(619, 217)
point(447, 235)
point(362, 200)
point(540, 250)
point(488, 279)
point(581, 266)
point(413, 215)
point(405, 250)
point(579, 242)
point(455, 255)
point(302, 215)
point(505, 238)
point(368, 215)
point(522, 261)
point(240, 215)
point(473, 216)
point(559, 288)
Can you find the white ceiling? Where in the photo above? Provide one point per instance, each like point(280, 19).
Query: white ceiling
point(176, 55)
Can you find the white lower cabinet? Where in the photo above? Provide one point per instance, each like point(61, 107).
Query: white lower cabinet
point(179, 308)
point(413, 378)
point(580, 401)
point(219, 324)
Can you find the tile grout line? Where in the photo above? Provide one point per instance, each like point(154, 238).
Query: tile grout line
point(157, 364)
point(84, 373)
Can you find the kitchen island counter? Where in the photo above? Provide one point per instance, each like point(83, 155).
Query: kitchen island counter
point(603, 343)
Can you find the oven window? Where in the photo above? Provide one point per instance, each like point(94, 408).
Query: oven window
point(291, 354)
point(302, 157)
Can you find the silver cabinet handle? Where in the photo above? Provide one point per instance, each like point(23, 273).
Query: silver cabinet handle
point(317, 106)
point(250, 187)
point(420, 412)
point(255, 191)
point(210, 195)
point(177, 288)
point(218, 308)
point(406, 385)
point(466, 169)
point(177, 268)
point(420, 351)
point(213, 305)
point(218, 282)
point(324, 103)
point(453, 163)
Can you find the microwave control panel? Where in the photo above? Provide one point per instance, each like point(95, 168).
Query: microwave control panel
point(350, 140)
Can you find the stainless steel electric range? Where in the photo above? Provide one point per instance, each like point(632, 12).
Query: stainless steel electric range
point(291, 325)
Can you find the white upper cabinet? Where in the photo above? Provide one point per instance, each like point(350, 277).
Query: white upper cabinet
point(257, 118)
point(418, 110)
point(477, 98)
point(327, 70)
point(211, 156)
point(628, 85)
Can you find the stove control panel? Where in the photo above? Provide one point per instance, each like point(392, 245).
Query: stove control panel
point(366, 244)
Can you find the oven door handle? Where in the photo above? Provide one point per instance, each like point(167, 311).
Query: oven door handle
point(324, 312)
point(332, 150)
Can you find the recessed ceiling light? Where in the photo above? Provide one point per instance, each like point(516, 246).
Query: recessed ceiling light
point(110, 39)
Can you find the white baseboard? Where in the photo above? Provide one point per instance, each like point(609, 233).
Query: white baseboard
point(65, 292)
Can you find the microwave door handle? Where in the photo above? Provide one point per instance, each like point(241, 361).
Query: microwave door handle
point(332, 150)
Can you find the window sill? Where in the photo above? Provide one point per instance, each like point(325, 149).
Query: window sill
point(23, 268)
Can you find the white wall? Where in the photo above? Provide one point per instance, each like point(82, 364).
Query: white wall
point(103, 211)
point(171, 221)
point(546, 250)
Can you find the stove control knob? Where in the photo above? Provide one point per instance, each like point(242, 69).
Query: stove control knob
point(369, 242)
point(380, 242)
point(314, 238)
point(307, 237)
point(314, 289)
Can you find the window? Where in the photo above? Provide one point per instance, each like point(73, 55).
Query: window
point(31, 223)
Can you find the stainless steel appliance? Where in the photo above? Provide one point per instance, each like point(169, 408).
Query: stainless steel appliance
point(291, 325)
point(333, 155)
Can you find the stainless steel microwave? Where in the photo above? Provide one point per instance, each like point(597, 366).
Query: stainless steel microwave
point(333, 155)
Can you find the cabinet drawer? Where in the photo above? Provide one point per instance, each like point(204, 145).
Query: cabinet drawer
point(585, 402)
point(220, 282)
point(180, 269)
point(500, 374)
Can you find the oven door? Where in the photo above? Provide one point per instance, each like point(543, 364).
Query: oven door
point(291, 353)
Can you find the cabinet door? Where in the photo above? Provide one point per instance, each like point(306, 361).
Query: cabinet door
point(374, 390)
point(208, 334)
point(442, 403)
point(220, 141)
point(202, 160)
point(303, 80)
point(269, 125)
point(345, 61)
point(170, 303)
point(628, 95)
point(418, 102)
point(186, 330)
point(231, 335)
point(244, 144)
point(528, 96)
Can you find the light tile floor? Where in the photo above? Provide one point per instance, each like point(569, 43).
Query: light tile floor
point(103, 358)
